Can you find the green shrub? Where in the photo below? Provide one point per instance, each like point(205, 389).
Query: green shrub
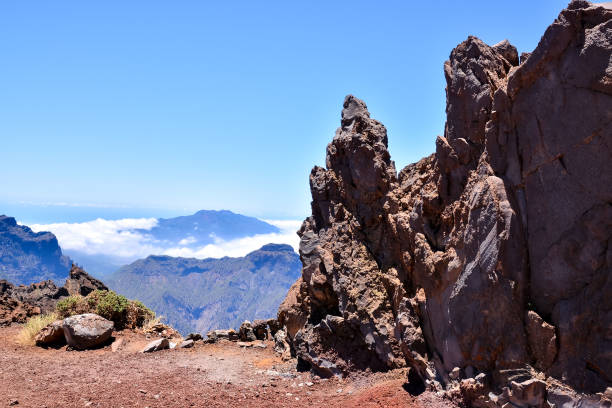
point(108, 304)
point(72, 305)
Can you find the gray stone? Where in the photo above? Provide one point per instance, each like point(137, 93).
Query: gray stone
point(87, 330)
point(187, 344)
point(156, 345)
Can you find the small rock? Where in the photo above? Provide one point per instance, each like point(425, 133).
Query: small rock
point(246, 332)
point(142, 391)
point(172, 345)
point(156, 345)
point(454, 374)
point(13, 402)
point(244, 344)
point(187, 343)
point(309, 384)
point(194, 336)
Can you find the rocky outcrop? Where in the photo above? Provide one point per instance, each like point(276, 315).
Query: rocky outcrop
point(81, 283)
point(491, 255)
point(17, 303)
point(87, 330)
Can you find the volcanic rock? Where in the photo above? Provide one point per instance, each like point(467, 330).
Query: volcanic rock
point(51, 334)
point(194, 336)
point(87, 330)
point(260, 329)
point(246, 332)
point(186, 344)
point(434, 268)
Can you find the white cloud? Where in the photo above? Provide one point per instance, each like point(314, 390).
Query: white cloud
point(115, 238)
point(118, 239)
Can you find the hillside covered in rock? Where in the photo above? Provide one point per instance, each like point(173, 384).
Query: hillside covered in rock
point(19, 302)
point(491, 256)
point(27, 257)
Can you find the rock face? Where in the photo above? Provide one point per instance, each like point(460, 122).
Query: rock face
point(27, 257)
point(87, 330)
point(491, 254)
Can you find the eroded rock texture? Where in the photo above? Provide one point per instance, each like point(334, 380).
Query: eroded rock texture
point(491, 254)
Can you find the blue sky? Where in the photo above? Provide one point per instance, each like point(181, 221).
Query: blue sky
point(143, 108)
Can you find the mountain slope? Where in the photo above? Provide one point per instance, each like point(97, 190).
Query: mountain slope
point(27, 257)
point(197, 295)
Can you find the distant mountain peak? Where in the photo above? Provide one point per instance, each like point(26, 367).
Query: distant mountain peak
point(276, 248)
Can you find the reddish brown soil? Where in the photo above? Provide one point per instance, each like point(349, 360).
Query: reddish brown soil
point(208, 375)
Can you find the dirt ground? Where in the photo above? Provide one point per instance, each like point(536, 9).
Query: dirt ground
point(207, 375)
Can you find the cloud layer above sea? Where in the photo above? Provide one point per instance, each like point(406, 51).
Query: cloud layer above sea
point(120, 239)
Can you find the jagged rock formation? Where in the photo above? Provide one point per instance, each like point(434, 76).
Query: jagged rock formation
point(17, 303)
point(81, 283)
point(491, 255)
point(27, 257)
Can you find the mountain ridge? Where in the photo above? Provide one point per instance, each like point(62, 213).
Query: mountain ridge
point(201, 294)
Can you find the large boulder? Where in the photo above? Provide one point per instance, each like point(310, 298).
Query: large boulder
point(87, 330)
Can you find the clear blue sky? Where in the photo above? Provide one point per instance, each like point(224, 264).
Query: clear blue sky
point(172, 106)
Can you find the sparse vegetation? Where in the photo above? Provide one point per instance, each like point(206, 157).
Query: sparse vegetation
point(33, 326)
point(123, 312)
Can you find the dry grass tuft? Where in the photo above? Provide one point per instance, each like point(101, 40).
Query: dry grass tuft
point(34, 325)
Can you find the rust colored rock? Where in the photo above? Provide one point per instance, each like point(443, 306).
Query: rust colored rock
point(433, 267)
point(52, 334)
point(14, 311)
